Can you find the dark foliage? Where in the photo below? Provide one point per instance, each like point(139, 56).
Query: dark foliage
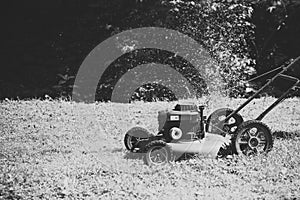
point(44, 43)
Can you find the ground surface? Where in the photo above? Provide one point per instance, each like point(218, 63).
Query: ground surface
point(55, 149)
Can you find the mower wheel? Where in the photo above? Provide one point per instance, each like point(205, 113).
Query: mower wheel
point(216, 124)
point(131, 141)
point(253, 137)
point(158, 153)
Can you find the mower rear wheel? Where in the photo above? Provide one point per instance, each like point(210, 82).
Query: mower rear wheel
point(157, 153)
point(216, 122)
point(253, 137)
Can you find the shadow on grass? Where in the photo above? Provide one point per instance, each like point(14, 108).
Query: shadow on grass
point(141, 156)
point(134, 156)
point(286, 135)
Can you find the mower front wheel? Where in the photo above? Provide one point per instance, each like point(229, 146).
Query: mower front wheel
point(253, 137)
point(158, 153)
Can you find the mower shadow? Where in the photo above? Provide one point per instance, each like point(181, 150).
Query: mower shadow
point(285, 135)
point(140, 156)
point(134, 156)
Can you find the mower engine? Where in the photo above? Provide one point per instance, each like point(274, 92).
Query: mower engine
point(184, 122)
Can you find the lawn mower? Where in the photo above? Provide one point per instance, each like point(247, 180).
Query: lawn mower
point(184, 130)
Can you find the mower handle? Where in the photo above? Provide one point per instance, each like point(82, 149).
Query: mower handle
point(280, 74)
point(275, 70)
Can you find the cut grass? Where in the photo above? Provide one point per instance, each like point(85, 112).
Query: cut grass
point(57, 149)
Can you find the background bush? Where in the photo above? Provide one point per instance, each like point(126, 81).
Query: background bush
point(43, 40)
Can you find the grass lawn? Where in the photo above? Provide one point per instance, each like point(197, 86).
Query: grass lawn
point(57, 149)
